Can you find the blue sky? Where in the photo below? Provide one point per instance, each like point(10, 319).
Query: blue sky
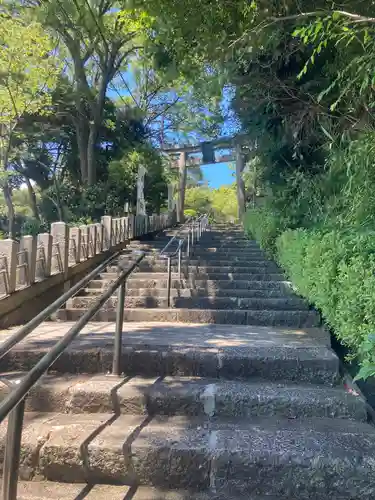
point(218, 174)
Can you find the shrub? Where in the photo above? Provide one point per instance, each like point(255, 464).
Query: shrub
point(335, 270)
point(263, 225)
point(190, 212)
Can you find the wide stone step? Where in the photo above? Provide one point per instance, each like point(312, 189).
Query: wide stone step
point(233, 256)
point(293, 319)
point(205, 269)
point(255, 276)
point(189, 292)
point(46, 490)
point(287, 458)
point(263, 263)
point(188, 396)
point(219, 351)
point(202, 302)
point(161, 282)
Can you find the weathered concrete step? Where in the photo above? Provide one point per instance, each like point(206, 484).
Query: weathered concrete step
point(209, 285)
point(197, 253)
point(267, 456)
point(188, 396)
point(190, 292)
point(216, 262)
point(219, 351)
point(205, 269)
point(202, 302)
point(293, 319)
point(255, 276)
point(46, 490)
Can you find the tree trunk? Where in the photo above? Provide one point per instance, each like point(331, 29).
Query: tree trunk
point(32, 196)
point(91, 160)
point(82, 143)
point(9, 202)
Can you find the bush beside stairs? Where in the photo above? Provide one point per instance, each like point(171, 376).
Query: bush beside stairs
point(232, 393)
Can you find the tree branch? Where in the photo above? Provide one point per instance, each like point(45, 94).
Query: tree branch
point(356, 17)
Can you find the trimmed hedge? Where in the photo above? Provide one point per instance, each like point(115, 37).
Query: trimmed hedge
point(335, 271)
point(264, 226)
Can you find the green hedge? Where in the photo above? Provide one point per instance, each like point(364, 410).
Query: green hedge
point(335, 271)
point(264, 226)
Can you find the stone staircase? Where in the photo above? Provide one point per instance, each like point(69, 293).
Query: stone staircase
point(233, 393)
point(227, 280)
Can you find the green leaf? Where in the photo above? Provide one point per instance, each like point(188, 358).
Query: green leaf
point(365, 372)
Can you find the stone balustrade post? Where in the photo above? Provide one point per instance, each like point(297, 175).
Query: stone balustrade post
point(75, 245)
point(8, 266)
point(93, 240)
point(99, 237)
point(123, 232)
point(116, 231)
point(85, 241)
point(44, 256)
point(28, 247)
point(107, 232)
point(60, 250)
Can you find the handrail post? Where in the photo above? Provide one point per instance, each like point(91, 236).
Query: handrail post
point(169, 282)
point(116, 366)
point(188, 244)
point(179, 261)
point(13, 451)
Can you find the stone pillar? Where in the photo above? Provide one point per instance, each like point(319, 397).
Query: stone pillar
point(99, 237)
point(182, 169)
point(93, 240)
point(75, 245)
point(28, 245)
point(123, 229)
point(240, 165)
point(132, 226)
point(44, 255)
point(141, 205)
point(107, 232)
point(171, 200)
point(8, 266)
point(60, 243)
point(85, 241)
point(115, 228)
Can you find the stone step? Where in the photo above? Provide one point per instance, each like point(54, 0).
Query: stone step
point(189, 292)
point(218, 351)
point(293, 319)
point(202, 302)
point(46, 490)
point(188, 396)
point(233, 277)
point(204, 269)
point(287, 458)
point(262, 263)
point(232, 256)
point(135, 282)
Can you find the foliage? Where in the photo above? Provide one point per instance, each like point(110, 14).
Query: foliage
point(224, 206)
point(198, 199)
point(220, 204)
point(29, 70)
point(336, 271)
point(262, 224)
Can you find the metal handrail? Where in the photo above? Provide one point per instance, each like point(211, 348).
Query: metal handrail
point(174, 237)
point(20, 334)
point(14, 404)
point(195, 224)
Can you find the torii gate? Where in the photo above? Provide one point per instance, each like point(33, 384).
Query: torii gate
point(180, 155)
